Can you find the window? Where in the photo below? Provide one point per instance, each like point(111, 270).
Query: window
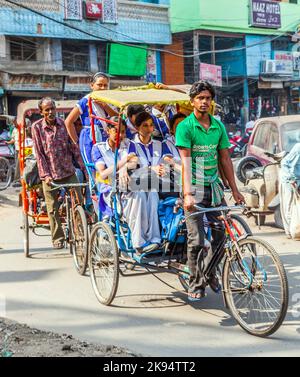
point(73, 9)
point(290, 135)
point(281, 44)
point(205, 44)
point(273, 140)
point(23, 49)
point(262, 135)
point(76, 56)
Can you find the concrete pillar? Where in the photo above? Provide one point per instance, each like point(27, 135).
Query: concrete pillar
point(245, 115)
point(196, 56)
point(93, 58)
point(57, 55)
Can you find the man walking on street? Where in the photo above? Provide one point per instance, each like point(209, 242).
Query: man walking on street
point(289, 183)
point(55, 154)
point(203, 143)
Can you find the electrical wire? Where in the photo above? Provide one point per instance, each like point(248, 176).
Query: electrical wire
point(143, 47)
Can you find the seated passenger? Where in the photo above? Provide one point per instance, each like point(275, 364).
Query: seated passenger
point(161, 116)
point(170, 140)
point(140, 208)
point(151, 154)
point(132, 112)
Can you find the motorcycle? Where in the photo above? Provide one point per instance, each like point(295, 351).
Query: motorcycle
point(261, 191)
point(238, 143)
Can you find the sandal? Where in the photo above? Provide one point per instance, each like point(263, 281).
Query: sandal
point(59, 245)
point(197, 295)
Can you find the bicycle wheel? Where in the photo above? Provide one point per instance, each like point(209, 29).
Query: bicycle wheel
point(241, 225)
point(79, 240)
point(256, 287)
point(104, 263)
point(25, 228)
point(5, 173)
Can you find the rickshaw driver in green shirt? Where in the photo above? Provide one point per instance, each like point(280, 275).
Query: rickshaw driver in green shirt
point(203, 145)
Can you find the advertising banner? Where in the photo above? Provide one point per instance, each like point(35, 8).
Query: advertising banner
point(211, 73)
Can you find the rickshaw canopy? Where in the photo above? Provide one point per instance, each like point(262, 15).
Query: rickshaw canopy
point(140, 96)
point(32, 105)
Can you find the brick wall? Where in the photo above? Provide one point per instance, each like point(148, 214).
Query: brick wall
point(173, 66)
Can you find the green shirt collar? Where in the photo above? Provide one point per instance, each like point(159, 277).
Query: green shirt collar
point(213, 123)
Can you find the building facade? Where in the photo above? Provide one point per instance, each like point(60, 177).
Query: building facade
point(52, 47)
point(249, 49)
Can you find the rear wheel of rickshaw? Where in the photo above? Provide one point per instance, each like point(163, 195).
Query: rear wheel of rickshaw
point(25, 227)
point(104, 263)
point(5, 173)
point(79, 240)
point(256, 287)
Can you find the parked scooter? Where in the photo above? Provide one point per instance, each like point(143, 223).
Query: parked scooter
point(261, 191)
point(238, 143)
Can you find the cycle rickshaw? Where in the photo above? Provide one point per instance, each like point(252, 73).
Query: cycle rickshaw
point(254, 282)
point(7, 155)
point(35, 215)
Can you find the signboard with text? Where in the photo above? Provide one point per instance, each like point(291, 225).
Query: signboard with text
point(211, 73)
point(93, 10)
point(265, 14)
point(34, 82)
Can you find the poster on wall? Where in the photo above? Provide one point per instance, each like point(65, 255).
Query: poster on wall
point(151, 66)
point(283, 55)
point(211, 73)
point(73, 9)
point(265, 14)
point(296, 61)
point(109, 11)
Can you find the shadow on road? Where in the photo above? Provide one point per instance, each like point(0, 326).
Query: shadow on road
point(40, 253)
point(25, 276)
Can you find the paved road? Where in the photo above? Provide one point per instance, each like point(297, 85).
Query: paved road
point(147, 317)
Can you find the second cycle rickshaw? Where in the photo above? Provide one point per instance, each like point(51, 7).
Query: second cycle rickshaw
point(254, 282)
point(35, 217)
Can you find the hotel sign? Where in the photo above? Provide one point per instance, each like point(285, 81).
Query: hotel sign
point(265, 14)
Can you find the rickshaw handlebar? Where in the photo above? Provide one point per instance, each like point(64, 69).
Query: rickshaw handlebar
point(68, 185)
point(221, 208)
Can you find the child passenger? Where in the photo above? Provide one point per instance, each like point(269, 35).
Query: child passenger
point(139, 208)
point(170, 140)
point(132, 112)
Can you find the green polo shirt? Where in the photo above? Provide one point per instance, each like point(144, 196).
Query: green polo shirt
point(204, 145)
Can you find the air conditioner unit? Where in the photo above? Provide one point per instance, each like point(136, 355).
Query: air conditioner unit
point(269, 66)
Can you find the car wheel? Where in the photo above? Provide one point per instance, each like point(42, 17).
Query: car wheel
point(246, 164)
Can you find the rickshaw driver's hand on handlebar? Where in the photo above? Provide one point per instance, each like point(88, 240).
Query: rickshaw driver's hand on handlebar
point(189, 202)
point(238, 197)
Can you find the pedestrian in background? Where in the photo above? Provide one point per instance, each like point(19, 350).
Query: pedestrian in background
point(289, 186)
